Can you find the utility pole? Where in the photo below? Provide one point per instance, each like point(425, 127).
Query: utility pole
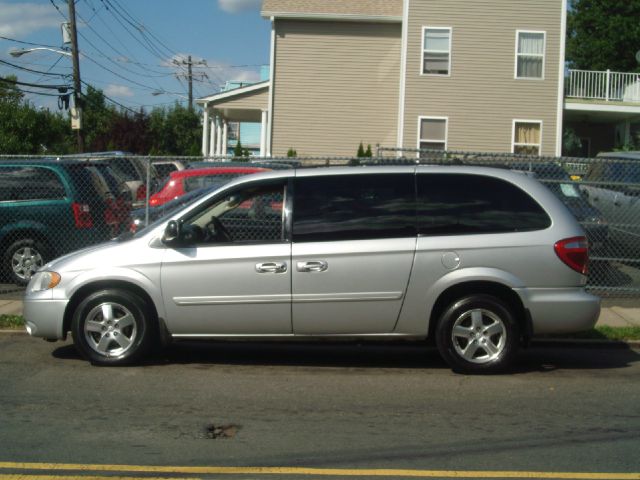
point(77, 102)
point(189, 76)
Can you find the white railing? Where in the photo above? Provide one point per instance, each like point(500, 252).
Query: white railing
point(608, 86)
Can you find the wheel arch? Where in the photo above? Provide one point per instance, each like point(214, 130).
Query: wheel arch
point(92, 287)
point(481, 287)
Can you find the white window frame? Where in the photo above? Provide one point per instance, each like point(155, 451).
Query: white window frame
point(433, 140)
point(513, 136)
point(423, 49)
point(544, 54)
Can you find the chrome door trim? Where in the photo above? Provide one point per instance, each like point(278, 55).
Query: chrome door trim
point(347, 297)
point(231, 300)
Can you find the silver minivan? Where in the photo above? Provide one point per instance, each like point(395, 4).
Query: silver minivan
point(479, 259)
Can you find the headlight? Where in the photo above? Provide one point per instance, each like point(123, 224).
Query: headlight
point(44, 281)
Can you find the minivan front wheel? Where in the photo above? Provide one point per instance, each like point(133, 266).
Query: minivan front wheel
point(113, 327)
point(478, 334)
point(23, 258)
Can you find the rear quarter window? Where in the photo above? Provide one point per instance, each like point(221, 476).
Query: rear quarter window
point(18, 183)
point(461, 204)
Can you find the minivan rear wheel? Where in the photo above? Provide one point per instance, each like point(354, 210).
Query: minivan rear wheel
point(478, 334)
point(113, 327)
point(23, 258)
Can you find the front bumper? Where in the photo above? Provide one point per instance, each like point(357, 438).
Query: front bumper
point(44, 318)
point(561, 310)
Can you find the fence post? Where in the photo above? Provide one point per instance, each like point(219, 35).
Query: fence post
point(608, 83)
point(148, 194)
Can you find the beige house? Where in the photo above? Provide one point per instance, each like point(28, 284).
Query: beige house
point(439, 74)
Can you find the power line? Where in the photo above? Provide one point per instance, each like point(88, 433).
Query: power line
point(34, 71)
point(143, 29)
point(130, 57)
point(26, 84)
point(38, 93)
point(112, 48)
point(28, 43)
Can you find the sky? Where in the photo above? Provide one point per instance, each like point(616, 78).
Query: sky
point(133, 49)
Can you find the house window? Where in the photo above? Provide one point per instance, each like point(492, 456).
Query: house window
point(432, 133)
point(527, 135)
point(436, 51)
point(530, 54)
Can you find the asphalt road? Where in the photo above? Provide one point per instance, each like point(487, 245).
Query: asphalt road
point(349, 407)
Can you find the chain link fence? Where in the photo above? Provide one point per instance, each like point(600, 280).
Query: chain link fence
point(52, 206)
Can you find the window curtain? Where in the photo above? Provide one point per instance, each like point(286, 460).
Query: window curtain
point(530, 54)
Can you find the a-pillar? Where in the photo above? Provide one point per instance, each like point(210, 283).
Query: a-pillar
point(263, 134)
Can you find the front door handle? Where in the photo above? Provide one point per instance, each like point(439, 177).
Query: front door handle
point(271, 267)
point(315, 266)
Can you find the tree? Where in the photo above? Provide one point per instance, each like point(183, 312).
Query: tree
point(26, 130)
point(603, 34)
point(360, 152)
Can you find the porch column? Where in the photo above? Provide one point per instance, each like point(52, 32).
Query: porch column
point(212, 139)
point(263, 134)
point(225, 133)
point(205, 131)
point(218, 137)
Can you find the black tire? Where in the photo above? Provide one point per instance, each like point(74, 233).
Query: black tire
point(113, 327)
point(478, 334)
point(22, 258)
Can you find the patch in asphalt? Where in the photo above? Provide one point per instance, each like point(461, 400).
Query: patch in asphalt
point(214, 432)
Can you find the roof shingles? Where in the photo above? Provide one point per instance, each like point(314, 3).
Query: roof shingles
point(338, 8)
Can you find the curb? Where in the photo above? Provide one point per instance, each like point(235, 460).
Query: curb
point(584, 342)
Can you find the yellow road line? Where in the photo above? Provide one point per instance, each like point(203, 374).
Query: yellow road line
point(317, 471)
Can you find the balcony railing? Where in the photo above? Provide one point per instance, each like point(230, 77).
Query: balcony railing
point(608, 86)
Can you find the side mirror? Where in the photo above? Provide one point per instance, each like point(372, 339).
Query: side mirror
point(171, 233)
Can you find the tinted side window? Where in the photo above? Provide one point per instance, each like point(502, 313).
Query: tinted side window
point(30, 183)
point(125, 169)
point(458, 204)
point(353, 207)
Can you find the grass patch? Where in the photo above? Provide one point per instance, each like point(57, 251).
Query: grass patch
point(11, 321)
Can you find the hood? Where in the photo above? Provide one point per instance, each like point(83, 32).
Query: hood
point(111, 254)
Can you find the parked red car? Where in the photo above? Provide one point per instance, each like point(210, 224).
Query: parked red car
point(183, 181)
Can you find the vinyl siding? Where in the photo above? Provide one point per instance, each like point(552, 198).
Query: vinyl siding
point(258, 100)
point(481, 97)
point(335, 84)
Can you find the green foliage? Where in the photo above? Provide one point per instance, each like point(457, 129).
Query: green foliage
point(291, 153)
point(603, 34)
point(571, 143)
point(26, 130)
point(237, 151)
point(360, 153)
point(11, 321)
point(368, 153)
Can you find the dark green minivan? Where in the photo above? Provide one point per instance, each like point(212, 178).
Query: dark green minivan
point(49, 207)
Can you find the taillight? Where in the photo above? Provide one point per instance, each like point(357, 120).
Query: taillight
point(141, 193)
point(574, 252)
point(82, 215)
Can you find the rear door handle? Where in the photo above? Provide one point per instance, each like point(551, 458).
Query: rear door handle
point(315, 266)
point(271, 267)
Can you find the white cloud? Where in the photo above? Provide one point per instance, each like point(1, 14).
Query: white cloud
point(237, 6)
point(118, 91)
point(20, 19)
